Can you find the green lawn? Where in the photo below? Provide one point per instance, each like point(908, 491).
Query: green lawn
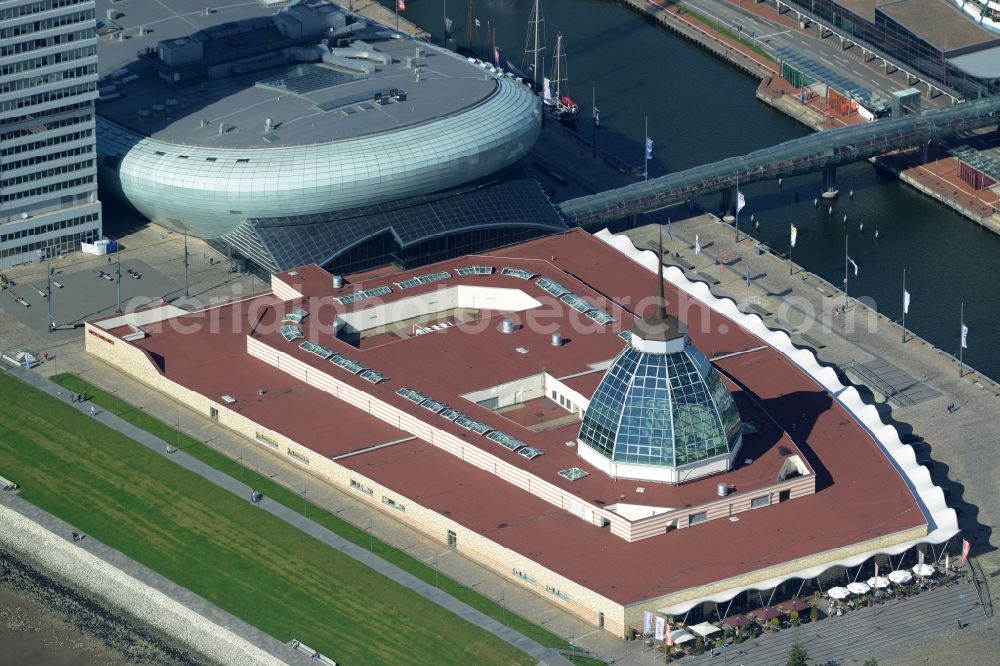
point(220, 546)
point(332, 522)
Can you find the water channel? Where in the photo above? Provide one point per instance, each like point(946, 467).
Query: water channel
point(700, 110)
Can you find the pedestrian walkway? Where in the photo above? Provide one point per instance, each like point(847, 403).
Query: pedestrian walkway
point(518, 640)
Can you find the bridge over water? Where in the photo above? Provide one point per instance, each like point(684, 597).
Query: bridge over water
point(822, 151)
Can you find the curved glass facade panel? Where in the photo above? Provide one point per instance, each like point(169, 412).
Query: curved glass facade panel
point(212, 190)
point(661, 409)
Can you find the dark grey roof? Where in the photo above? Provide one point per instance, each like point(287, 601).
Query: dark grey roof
point(517, 201)
point(659, 328)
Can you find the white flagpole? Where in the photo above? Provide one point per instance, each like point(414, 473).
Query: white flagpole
point(904, 305)
point(846, 259)
point(645, 152)
point(961, 340)
point(737, 218)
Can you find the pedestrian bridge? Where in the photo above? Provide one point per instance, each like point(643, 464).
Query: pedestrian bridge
point(820, 151)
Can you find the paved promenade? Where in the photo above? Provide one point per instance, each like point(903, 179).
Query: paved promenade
point(544, 655)
point(958, 446)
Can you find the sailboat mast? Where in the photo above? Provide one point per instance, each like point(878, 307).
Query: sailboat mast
point(469, 26)
point(558, 65)
point(536, 73)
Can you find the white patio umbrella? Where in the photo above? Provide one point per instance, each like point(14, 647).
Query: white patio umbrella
point(858, 588)
point(900, 576)
point(923, 570)
point(879, 583)
point(838, 593)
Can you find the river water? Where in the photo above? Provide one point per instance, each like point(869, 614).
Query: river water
point(699, 110)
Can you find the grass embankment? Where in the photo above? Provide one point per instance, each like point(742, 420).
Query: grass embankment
point(221, 547)
point(713, 25)
point(317, 514)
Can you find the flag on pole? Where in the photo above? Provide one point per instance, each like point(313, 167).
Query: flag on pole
point(546, 92)
point(649, 148)
point(947, 561)
point(447, 23)
point(740, 201)
point(748, 275)
point(478, 24)
point(670, 637)
point(401, 5)
point(660, 623)
point(722, 261)
point(920, 557)
point(965, 334)
point(855, 266)
point(876, 573)
point(647, 623)
point(697, 245)
point(669, 234)
point(795, 234)
point(597, 117)
point(906, 302)
point(966, 547)
point(496, 56)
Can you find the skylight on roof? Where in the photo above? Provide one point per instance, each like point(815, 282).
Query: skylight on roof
point(577, 303)
point(451, 414)
point(319, 350)
point(518, 273)
point(291, 333)
point(295, 316)
point(423, 279)
point(412, 395)
point(625, 335)
point(475, 426)
point(475, 270)
point(362, 295)
point(503, 439)
point(574, 473)
point(433, 405)
point(552, 287)
point(348, 364)
point(374, 376)
point(530, 452)
point(600, 316)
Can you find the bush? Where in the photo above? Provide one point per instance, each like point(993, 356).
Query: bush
point(794, 615)
point(698, 644)
point(774, 624)
point(798, 656)
point(813, 614)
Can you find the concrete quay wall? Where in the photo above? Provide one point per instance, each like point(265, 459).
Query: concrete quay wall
point(96, 578)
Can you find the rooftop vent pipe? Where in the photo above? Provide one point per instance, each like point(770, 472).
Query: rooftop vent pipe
point(507, 326)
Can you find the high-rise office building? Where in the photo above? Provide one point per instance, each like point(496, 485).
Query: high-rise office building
point(48, 87)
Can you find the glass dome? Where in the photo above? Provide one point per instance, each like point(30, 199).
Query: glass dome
point(662, 409)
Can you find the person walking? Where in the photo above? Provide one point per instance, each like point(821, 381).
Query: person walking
point(93, 411)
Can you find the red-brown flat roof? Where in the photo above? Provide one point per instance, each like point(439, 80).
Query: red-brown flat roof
point(859, 494)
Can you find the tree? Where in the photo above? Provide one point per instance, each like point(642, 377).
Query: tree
point(798, 656)
point(698, 644)
point(870, 662)
point(794, 615)
point(774, 624)
point(813, 614)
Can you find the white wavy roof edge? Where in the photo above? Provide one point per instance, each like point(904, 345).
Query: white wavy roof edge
point(942, 521)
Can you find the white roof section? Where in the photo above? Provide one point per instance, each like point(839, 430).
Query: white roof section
point(942, 522)
point(983, 64)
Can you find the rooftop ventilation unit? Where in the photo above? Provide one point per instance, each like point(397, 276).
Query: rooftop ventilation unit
point(722, 489)
point(338, 281)
point(507, 326)
point(557, 339)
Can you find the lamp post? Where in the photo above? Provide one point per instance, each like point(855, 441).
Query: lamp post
point(118, 270)
point(187, 292)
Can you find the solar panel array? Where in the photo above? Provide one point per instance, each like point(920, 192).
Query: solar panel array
point(507, 441)
point(552, 287)
point(362, 295)
point(374, 376)
point(518, 273)
point(475, 270)
point(574, 473)
point(314, 348)
point(295, 316)
point(348, 364)
point(530, 452)
point(305, 78)
point(423, 279)
point(291, 333)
